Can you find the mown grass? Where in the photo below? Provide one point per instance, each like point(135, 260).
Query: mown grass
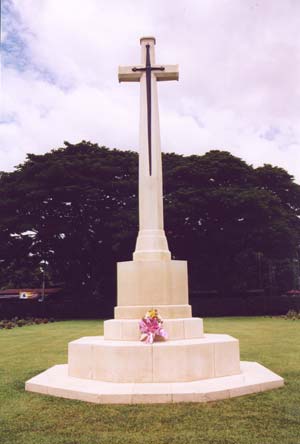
point(266, 418)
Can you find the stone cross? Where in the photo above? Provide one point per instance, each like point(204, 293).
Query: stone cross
point(151, 242)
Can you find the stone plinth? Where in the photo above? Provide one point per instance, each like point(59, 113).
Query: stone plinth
point(160, 284)
point(153, 282)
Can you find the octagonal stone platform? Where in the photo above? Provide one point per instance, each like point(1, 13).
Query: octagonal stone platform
point(253, 378)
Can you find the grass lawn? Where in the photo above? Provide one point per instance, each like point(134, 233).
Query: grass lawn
point(266, 418)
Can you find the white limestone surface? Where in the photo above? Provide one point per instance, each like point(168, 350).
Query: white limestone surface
point(253, 378)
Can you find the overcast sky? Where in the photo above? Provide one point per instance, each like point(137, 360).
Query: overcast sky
point(238, 89)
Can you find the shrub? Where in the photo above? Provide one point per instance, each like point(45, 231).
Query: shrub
point(9, 325)
point(16, 322)
point(292, 314)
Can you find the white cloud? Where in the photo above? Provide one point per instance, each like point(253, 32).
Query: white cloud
point(239, 76)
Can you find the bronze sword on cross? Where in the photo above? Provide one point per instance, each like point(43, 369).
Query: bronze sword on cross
point(133, 74)
point(148, 69)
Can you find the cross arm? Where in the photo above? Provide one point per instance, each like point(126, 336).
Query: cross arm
point(171, 72)
point(125, 74)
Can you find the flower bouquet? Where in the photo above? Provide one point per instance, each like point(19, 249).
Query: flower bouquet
point(151, 327)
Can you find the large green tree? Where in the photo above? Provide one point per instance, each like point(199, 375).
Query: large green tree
point(76, 208)
point(73, 208)
point(224, 214)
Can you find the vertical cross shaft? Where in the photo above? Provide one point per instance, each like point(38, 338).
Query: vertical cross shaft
point(151, 242)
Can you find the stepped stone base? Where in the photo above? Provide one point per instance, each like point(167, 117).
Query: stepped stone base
point(183, 360)
point(55, 381)
point(128, 329)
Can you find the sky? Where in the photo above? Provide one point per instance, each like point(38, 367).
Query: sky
point(238, 89)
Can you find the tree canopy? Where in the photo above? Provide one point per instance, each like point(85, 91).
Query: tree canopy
point(76, 208)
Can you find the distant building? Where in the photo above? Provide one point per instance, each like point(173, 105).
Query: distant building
point(28, 293)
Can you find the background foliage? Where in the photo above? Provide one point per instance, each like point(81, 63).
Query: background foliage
point(75, 208)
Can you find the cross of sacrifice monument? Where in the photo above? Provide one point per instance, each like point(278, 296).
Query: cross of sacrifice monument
point(189, 366)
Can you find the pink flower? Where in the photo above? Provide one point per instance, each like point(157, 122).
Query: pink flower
point(150, 327)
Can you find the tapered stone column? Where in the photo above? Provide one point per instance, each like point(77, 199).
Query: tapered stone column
point(151, 242)
point(152, 279)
